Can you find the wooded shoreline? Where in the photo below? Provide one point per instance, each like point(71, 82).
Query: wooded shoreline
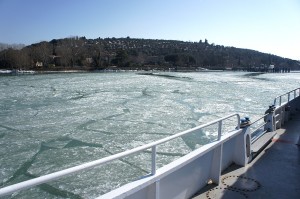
point(79, 53)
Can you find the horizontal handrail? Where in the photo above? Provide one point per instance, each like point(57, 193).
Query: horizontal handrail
point(59, 174)
point(255, 131)
point(259, 118)
point(259, 127)
point(288, 93)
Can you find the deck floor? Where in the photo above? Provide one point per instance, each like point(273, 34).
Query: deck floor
point(274, 173)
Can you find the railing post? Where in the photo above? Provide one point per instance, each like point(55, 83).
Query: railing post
point(157, 190)
point(242, 152)
point(239, 122)
point(289, 97)
point(282, 115)
point(219, 129)
point(270, 119)
point(294, 94)
point(153, 160)
point(280, 101)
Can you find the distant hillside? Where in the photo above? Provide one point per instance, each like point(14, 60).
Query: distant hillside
point(128, 53)
point(4, 46)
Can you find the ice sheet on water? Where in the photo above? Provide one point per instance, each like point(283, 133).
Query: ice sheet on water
point(35, 192)
point(55, 159)
point(125, 137)
point(90, 183)
point(103, 114)
point(16, 150)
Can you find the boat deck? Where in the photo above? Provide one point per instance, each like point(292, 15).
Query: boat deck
point(274, 173)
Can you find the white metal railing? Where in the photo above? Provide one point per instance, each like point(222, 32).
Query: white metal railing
point(56, 175)
point(258, 132)
point(289, 94)
point(282, 112)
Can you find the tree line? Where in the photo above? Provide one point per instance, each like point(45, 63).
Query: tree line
point(79, 53)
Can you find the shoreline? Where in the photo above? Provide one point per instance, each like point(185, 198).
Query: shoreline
point(4, 72)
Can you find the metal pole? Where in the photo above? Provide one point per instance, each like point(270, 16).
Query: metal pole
point(157, 191)
point(153, 162)
point(219, 129)
point(280, 101)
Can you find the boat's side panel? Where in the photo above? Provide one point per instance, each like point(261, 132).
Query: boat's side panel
point(182, 183)
point(186, 181)
point(148, 192)
point(185, 176)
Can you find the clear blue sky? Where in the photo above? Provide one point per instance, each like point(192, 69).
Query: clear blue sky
point(271, 26)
